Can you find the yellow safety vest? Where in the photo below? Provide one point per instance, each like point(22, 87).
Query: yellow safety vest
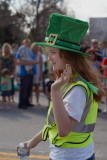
point(81, 134)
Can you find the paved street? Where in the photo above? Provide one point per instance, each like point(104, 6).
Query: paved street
point(20, 125)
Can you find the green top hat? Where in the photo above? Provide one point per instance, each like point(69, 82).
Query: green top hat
point(65, 33)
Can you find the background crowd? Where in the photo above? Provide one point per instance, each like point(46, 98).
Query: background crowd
point(25, 68)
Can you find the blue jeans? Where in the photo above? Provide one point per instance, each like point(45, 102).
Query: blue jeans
point(91, 158)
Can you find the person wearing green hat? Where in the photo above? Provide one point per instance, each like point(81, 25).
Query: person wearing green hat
point(75, 93)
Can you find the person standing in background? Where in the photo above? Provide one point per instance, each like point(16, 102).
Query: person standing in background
point(14, 51)
point(37, 78)
point(43, 69)
point(94, 46)
point(14, 48)
point(104, 68)
point(0, 49)
point(48, 86)
point(8, 60)
point(26, 80)
point(95, 64)
point(93, 58)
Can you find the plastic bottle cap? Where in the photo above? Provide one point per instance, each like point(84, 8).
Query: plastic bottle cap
point(21, 145)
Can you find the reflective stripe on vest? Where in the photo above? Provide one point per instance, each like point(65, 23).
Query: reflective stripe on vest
point(80, 127)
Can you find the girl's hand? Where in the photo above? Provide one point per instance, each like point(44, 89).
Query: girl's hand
point(65, 76)
point(27, 145)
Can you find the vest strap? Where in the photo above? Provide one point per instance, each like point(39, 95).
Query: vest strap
point(74, 142)
point(45, 133)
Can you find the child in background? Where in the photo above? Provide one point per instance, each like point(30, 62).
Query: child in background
point(102, 50)
point(6, 86)
point(48, 86)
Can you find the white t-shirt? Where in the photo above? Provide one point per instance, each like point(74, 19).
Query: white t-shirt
point(74, 104)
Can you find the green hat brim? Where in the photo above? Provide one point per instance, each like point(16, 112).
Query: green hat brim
point(60, 47)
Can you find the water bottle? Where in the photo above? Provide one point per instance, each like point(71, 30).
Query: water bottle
point(22, 150)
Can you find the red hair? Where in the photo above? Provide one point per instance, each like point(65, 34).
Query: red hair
point(80, 64)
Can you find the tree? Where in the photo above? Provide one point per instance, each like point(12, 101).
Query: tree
point(30, 17)
point(37, 14)
point(10, 28)
point(42, 19)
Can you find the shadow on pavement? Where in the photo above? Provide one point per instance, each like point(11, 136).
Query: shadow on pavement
point(14, 113)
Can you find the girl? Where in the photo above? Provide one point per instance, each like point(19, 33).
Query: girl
point(75, 93)
point(7, 60)
point(37, 78)
point(6, 85)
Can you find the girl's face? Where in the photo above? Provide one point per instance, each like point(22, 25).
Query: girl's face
point(54, 58)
